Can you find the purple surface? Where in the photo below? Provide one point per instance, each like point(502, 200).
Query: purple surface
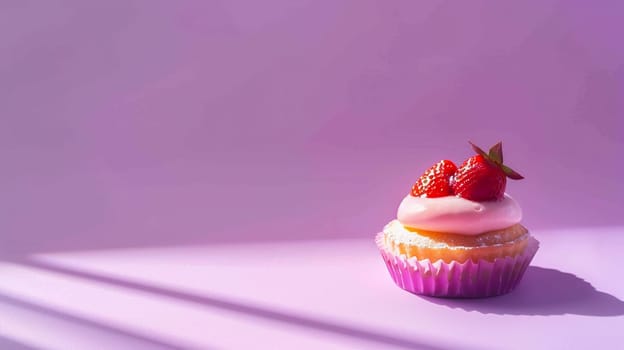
point(313, 294)
point(239, 124)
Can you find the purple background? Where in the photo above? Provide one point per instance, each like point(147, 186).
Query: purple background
point(130, 123)
point(157, 123)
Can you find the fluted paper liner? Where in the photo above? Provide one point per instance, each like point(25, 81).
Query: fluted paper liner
point(470, 279)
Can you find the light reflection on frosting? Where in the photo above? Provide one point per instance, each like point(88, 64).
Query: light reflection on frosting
point(458, 215)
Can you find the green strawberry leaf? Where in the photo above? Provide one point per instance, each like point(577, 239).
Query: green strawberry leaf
point(479, 150)
point(495, 158)
point(511, 173)
point(496, 153)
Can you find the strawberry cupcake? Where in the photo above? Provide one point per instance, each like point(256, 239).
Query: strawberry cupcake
point(457, 233)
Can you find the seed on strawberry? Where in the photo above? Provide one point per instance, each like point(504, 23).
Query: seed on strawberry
point(483, 177)
point(435, 182)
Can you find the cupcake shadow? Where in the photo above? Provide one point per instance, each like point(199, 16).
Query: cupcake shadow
point(544, 292)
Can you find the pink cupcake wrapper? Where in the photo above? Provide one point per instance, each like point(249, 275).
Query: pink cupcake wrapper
point(458, 280)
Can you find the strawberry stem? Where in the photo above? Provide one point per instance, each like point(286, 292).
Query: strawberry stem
point(495, 158)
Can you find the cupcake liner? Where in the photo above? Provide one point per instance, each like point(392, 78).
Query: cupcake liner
point(471, 279)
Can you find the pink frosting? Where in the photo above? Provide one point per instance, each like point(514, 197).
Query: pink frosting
point(458, 215)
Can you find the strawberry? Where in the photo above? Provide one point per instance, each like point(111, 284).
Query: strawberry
point(483, 177)
point(435, 182)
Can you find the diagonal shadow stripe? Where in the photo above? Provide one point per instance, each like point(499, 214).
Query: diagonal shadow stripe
point(242, 308)
point(157, 344)
point(10, 344)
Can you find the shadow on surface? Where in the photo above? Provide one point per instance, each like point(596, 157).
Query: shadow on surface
point(41, 309)
point(243, 308)
point(545, 292)
point(9, 344)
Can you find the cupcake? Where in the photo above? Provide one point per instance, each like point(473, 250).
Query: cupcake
point(457, 233)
